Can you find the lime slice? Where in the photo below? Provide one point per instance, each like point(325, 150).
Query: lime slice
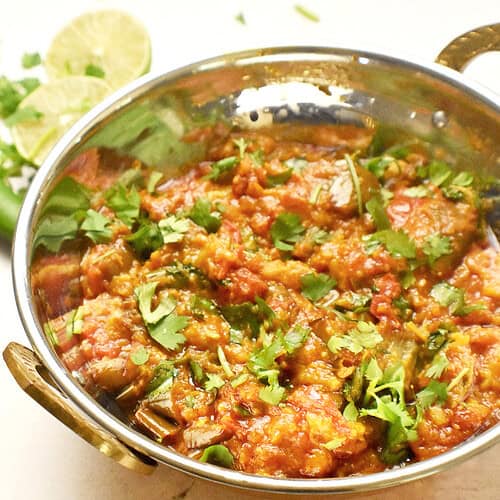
point(61, 102)
point(106, 41)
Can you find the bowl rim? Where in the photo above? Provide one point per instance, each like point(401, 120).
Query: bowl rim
point(21, 256)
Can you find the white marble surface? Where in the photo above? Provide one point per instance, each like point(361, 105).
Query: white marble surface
point(40, 458)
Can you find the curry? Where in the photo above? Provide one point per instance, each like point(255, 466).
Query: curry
point(291, 306)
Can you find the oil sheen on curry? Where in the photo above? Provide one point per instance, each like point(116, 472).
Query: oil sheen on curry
point(295, 305)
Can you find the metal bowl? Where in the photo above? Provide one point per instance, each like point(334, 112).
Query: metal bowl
point(252, 89)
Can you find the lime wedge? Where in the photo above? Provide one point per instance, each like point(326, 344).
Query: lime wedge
point(108, 43)
point(61, 103)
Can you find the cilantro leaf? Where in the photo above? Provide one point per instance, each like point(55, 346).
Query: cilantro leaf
point(319, 236)
point(217, 454)
point(420, 191)
point(96, 227)
point(140, 356)
point(30, 60)
point(437, 340)
point(221, 168)
point(286, 230)
point(306, 13)
point(316, 286)
point(350, 412)
point(364, 336)
point(279, 179)
point(21, 115)
point(436, 246)
point(378, 164)
point(166, 331)
point(294, 338)
point(201, 214)
point(144, 296)
point(241, 144)
point(147, 238)
point(197, 372)
point(454, 298)
point(242, 316)
point(438, 366)
point(263, 359)
point(29, 84)
point(240, 18)
point(95, 71)
point(434, 392)
point(439, 172)
point(173, 229)
point(125, 204)
point(375, 208)
point(463, 179)
point(272, 394)
point(153, 180)
point(397, 243)
point(214, 381)
point(164, 372)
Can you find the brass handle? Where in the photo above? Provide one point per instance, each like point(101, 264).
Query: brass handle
point(33, 378)
point(459, 52)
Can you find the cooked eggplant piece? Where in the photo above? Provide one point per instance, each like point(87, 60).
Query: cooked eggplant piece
point(160, 428)
point(199, 436)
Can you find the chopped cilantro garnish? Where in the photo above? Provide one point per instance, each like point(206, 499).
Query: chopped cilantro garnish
point(434, 392)
point(214, 381)
point(147, 238)
point(125, 203)
point(30, 60)
point(95, 71)
point(315, 286)
point(294, 338)
point(217, 454)
point(436, 246)
point(355, 182)
point(437, 339)
point(397, 243)
point(350, 412)
point(243, 316)
point(163, 323)
point(279, 179)
point(163, 373)
point(272, 394)
point(140, 356)
point(221, 168)
point(375, 208)
point(319, 236)
point(242, 146)
point(96, 227)
point(439, 172)
point(378, 164)
point(173, 229)
point(74, 325)
point(306, 13)
point(153, 180)
point(257, 157)
point(453, 298)
point(240, 18)
point(240, 379)
point(286, 230)
point(420, 191)
point(201, 305)
point(364, 336)
point(313, 199)
point(144, 295)
point(21, 115)
point(202, 215)
point(223, 362)
point(197, 372)
point(463, 179)
point(438, 366)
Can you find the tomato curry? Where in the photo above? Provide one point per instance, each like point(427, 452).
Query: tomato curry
point(291, 306)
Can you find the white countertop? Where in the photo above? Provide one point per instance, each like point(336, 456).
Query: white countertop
point(39, 457)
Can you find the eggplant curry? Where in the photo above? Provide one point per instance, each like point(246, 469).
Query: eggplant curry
point(291, 306)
